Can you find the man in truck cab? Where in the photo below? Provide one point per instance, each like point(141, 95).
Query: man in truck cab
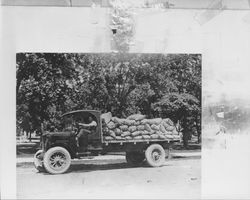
point(86, 129)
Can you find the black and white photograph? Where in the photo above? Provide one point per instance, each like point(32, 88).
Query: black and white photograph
point(125, 99)
point(108, 123)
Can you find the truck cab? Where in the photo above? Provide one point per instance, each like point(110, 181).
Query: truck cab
point(64, 141)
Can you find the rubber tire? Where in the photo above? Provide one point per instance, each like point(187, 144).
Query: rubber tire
point(49, 153)
point(149, 157)
point(38, 163)
point(135, 158)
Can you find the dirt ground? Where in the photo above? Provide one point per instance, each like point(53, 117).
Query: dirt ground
point(178, 178)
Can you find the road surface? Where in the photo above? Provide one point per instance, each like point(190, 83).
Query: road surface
point(178, 178)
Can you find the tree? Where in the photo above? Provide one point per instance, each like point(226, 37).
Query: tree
point(152, 84)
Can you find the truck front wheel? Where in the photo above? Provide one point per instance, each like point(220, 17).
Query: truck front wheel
point(57, 160)
point(135, 158)
point(38, 161)
point(155, 155)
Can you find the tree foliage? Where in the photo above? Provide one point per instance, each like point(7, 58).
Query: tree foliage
point(156, 85)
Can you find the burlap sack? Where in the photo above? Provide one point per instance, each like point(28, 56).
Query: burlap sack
point(168, 133)
point(154, 136)
point(168, 121)
point(136, 133)
point(132, 129)
point(155, 121)
point(137, 123)
point(175, 132)
point(112, 133)
point(128, 138)
point(144, 132)
point(169, 128)
point(106, 117)
point(144, 121)
point(119, 138)
point(161, 136)
point(162, 128)
point(138, 137)
point(128, 122)
point(108, 138)
point(145, 136)
point(140, 128)
point(136, 117)
point(117, 131)
point(155, 127)
point(148, 128)
point(124, 127)
point(169, 136)
point(118, 120)
point(111, 125)
point(126, 133)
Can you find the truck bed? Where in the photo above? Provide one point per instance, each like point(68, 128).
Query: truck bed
point(140, 141)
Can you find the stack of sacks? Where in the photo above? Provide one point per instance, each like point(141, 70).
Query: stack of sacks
point(137, 127)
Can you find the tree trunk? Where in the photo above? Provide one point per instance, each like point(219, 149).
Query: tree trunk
point(185, 133)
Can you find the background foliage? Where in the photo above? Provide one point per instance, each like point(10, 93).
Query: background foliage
point(156, 85)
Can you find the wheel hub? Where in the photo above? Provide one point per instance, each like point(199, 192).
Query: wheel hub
point(57, 161)
point(156, 155)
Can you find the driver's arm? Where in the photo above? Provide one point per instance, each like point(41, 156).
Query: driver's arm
point(93, 123)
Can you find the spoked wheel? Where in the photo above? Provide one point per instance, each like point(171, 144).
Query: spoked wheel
point(155, 155)
point(135, 158)
point(38, 161)
point(57, 160)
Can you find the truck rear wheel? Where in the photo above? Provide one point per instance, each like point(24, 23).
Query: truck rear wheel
point(155, 155)
point(38, 161)
point(57, 160)
point(135, 158)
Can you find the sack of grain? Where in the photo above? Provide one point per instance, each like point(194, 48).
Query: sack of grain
point(138, 137)
point(146, 136)
point(124, 127)
point(118, 121)
point(119, 138)
point(111, 125)
point(144, 132)
point(148, 128)
point(137, 123)
point(155, 127)
point(161, 136)
point(175, 132)
point(168, 133)
point(126, 133)
point(136, 117)
point(128, 138)
point(128, 122)
point(117, 131)
point(132, 129)
point(154, 136)
point(155, 121)
point(136, 133)
point(162, 129)
point(170, 128)
point(140, 127)
point(169, 136)
point(106, 117)
point(108, 138)
point(168, 121)
point(112, 133)
point(144, 121)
